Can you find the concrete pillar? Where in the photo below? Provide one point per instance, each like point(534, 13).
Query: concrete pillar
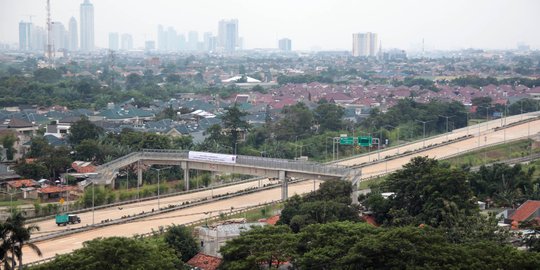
point(139, 174)
point(185, 167)
point(355, 192)
point(284, 185)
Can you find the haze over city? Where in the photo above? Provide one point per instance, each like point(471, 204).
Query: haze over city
point(322, 25)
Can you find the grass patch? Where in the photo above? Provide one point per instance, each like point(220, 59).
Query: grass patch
point(369, 183)
point(15, 203)
point(256, 214)
point(493, 154)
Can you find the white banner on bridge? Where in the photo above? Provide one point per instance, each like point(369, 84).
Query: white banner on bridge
point(203, 156)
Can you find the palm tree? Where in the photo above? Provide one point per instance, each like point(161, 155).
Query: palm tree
point(17, 237)
point(4, 245)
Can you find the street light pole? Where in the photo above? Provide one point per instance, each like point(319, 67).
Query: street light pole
point(93, 203)
point(424, 137)
point(397, 128)
point(158, 184)
point(447, 117)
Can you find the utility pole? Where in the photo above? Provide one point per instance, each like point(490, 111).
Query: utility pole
point(447, 117)
point(424, 137)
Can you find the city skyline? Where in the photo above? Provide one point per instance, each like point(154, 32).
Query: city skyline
point(325, 25)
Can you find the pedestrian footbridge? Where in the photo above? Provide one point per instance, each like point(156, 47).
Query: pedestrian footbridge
point(282, 169)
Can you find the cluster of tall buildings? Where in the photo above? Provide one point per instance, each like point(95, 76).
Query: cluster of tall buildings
point(34, 38)
point(122, 42)
point(227, 39)
point(365, 44)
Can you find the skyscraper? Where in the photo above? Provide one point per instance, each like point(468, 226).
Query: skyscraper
point(284, 44)
point(38, 38)
point(127, 42)
point(365, 44)
point(161, 39)
point(25, 36)
point(207, 41)
point(114, 42)
point(87, 26)
point(193, 40)
point(73, 35)
point(228, 35)
point(59, 36)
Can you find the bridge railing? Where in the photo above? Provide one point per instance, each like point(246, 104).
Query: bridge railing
point(293, 165)
point(262, 162)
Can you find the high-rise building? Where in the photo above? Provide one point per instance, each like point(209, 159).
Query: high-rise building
point(114, 41)
point(365, 44)
point(285, 44)
point(149, 45)
point(193, 40)
point(161, 39)
point(25, 36)
point(73, 36)
point(228, 35)
point(127, 42)
point(59, 36)
point(172, 39)
point(207, 40)
point(87, 26)
point(38, 38)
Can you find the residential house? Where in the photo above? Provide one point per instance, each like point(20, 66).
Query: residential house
point(202, 261)
point(529, 210)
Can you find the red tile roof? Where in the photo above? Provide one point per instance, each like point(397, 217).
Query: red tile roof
point(272, 220)
point(525, 210)
point(370, 220)
point(205, 262)
point(22, 182)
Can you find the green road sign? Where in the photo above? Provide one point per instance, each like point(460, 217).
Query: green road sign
point(365, 140)
point(346, 140)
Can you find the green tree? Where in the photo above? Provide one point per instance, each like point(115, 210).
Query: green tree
point(427, 192)
point(47, 75)
point(296, 122)
point(182, 142)
point(329, 116)
point(89, 150)
point(34, 170)
point(134, 81)
point(84, 129)
point(39, 147)
point(234, 125)
point(16, 236)
point(259, 248)
point(117, 253)
point(181, 240)
point(8, 141)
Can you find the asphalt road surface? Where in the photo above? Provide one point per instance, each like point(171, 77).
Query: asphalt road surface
point(74, 241)
point(116, 212)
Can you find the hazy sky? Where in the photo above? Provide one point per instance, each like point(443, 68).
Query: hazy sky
point(328, 24)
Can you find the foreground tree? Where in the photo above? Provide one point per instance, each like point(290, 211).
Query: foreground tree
point(181, 240)
point(117, 253)
point(84, 130)
point(15, 236)
point(265, 247)
point(426, 192)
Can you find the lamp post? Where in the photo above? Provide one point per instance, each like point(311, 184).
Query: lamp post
point(467, 123)
point(487, 115)
point(447, 117)
point(10, 199)
point(93, 204)
point(158, 187)
point(424, 137)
